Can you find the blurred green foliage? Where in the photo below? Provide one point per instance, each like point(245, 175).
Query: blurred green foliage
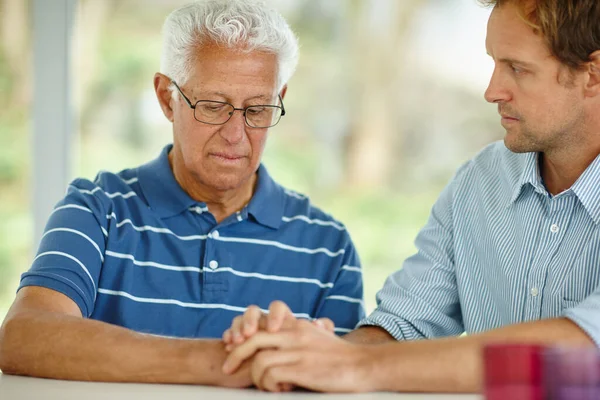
point(15, 223)
point(383, 223)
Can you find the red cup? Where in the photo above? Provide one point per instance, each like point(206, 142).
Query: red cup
point(514, 392)
point(513, 371)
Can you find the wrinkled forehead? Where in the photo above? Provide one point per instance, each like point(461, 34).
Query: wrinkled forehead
point(234, 73)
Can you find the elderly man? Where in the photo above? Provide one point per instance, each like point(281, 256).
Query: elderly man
point(511, 251)
point(134, 268)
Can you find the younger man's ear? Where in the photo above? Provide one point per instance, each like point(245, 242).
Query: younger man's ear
point(592, 87)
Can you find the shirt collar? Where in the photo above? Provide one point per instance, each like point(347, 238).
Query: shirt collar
point(167, 198)
point(268, 201)
point(530, 174)
point(587, 189)
point(161, 190)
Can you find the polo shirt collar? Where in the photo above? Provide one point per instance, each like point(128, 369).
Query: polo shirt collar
point(267, 204)
point(160, 188)
point(167, 198)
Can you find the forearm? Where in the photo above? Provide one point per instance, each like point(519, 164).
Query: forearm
point(54, 345)
point(456, 365)
point(369, 335)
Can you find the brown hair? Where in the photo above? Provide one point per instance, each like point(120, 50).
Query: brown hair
point(571, 28)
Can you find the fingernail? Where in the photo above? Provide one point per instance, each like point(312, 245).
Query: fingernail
point(319, 323)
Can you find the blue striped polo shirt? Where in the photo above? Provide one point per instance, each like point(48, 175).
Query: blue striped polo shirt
point(498, 249)
point(134, 249)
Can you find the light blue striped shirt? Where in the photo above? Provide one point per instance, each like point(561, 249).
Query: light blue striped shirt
point(133, 249)
point(499, 250)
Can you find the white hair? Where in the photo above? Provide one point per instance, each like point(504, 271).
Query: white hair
point(249, 25)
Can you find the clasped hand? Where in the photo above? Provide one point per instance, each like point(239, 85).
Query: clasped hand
point(285, 352)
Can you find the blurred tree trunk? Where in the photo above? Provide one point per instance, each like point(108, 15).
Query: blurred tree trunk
point(15, 28)
point(380, 29)
point(91, 20)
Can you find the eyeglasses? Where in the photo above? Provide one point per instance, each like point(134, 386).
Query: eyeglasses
point(219, 112)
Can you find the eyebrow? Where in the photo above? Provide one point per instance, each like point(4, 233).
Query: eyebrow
point(225, 96)
point(506, 60)
point(518, 62)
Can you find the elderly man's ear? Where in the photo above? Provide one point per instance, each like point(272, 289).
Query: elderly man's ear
point(164, 94)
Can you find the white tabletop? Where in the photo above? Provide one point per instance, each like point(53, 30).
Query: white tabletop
point(17, 387)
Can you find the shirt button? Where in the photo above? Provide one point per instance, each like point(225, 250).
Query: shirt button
point(213, 264)
point(215, 234)
point(554, 228)
point(535, 292)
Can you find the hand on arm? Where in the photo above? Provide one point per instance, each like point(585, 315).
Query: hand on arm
point(317, 360)
point(304, 356)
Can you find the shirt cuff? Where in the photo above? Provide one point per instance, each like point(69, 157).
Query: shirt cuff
point(388, 322)
point(586, 315)
point(59, 284)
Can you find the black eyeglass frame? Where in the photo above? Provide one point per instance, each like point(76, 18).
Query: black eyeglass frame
point(243, 110)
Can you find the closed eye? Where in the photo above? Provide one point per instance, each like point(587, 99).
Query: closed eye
point(255, 110)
